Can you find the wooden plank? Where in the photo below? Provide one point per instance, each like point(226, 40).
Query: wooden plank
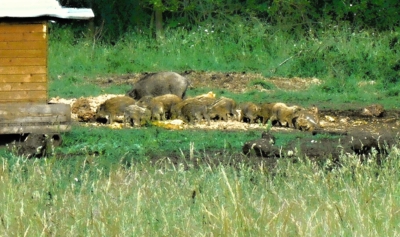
point(18, 28)
point(35, 108)
point(23, 70)
point(23, 86)
point(22, 61)
point(26, 128)
point(23, 78)
point(40, 44)
point(47, 119)
point(34, 112)
point(22, 37)
point(16, 118)
point(23, 96)
point(29, 53)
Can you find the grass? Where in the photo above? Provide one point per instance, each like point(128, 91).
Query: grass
point(61, 197)
point(144, 144)
point(340, 57)
point(101, 182)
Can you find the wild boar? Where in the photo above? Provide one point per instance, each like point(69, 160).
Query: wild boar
point(285, 115)
point(161, 83)
point(307, 119)
point(144, 101)
point(167, 101)
point(157, 110)
point(160, 106)
point(136, 115)
point(266, 112)
point(112, 108)
point(195, 110)
point(222, 108)
point(176, 109)
point(249, 111)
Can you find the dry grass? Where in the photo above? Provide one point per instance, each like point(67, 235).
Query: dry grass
point(44, 198)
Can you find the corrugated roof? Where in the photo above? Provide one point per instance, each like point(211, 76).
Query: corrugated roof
point(38, 8)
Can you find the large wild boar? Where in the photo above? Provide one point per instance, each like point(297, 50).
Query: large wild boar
point(250, 112)
point(113, 107)
point(160, 84)
point(222, 108)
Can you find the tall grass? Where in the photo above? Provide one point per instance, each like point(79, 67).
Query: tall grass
point(95, 186)
point(48, 197)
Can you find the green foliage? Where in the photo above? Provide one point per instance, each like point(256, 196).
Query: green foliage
point(72, 87)
point(342, 56)
point(247, 46)
point(113, 21)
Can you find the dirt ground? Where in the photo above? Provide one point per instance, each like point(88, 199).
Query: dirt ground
point(351, 120)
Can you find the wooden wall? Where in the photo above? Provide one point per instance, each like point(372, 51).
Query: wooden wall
point(23, 62)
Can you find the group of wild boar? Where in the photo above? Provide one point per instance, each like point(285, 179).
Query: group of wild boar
point(160, 96)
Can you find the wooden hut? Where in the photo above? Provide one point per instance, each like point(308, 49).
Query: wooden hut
point(24, 106)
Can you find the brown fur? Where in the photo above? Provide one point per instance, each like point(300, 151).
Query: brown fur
point(113, 107)
point(137, 115)
point(195, 110)
point(161, 83)
point(222, 108)
point(308, 119)
point(144, 101)
point(249, 111)
point(168, 101)
point(176, 109)
point(160, 106)
point(285, 115)
point(157, 110)
point(266, 112)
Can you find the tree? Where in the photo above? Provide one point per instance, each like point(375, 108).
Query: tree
point(159, 7)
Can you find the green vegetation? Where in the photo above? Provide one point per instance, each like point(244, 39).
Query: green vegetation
point(73, 197)
point(156, 182)
point(154, 17)
point(348, 62)
point(149, 142)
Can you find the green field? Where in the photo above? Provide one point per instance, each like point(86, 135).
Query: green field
point(84, 196)
point(157, 182)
